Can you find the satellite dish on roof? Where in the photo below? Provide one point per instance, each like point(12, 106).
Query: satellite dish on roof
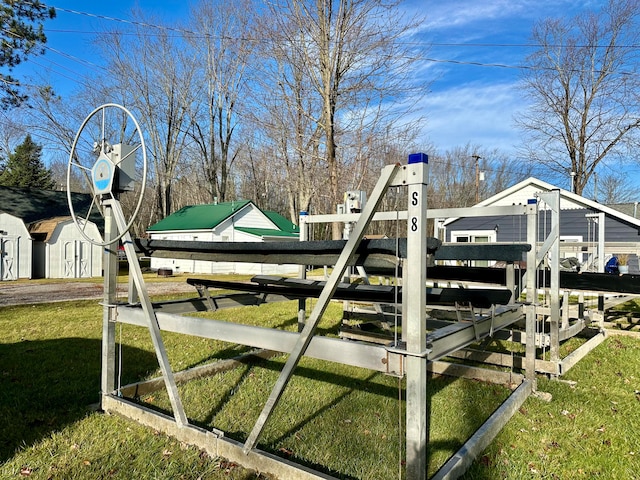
point(109, 161)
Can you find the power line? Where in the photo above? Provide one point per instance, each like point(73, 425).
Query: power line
point(76, 59)
point(525, 45)
point(128, 22)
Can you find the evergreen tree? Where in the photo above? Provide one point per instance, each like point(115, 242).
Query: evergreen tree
point(21, 35)
point(24, 168)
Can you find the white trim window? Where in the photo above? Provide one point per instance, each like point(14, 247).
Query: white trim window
point(475, 236)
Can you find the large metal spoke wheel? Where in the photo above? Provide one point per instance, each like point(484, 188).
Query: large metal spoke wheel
point(107, 164)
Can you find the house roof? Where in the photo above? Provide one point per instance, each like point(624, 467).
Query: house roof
point(568, 199)
point(33, 205)
point(45, 228)
point(199, 217)
point(207, 217)
point(267, 232)
point(630, 209)
point(281, 222)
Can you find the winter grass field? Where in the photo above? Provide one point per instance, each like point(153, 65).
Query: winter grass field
point(345, 421)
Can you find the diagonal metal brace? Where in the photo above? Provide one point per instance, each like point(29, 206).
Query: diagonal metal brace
point(152, 321)
point(387, 176)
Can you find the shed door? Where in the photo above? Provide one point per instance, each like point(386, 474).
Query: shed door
point(76, 257)
point(83, 250)
point(8, 258)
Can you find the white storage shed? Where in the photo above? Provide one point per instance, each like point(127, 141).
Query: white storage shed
point(38, 238)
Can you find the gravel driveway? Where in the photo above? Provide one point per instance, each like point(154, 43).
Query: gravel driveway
point(27, 293)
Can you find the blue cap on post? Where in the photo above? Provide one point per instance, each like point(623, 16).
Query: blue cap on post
point(418, 158)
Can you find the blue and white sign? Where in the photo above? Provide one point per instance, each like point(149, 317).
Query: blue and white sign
point(102, 175)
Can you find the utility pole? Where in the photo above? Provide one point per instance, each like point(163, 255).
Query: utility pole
point(476, 158)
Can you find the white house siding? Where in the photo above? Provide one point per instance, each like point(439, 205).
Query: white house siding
point(205, 267)
point(69, 255)
point(15, 248)
point(250, 218)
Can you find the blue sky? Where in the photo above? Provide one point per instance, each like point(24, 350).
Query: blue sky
point(477, 103)
point(466, 103)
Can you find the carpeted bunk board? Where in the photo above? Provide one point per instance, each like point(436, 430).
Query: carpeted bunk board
point(303, 288)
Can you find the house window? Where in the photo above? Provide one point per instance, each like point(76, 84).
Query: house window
point(480, 236)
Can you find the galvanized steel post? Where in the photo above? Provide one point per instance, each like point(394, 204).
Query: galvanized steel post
point(414, 290)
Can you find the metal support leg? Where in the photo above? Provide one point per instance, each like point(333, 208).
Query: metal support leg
point(108, 372)
point(136, 272)
point(553, 200)
point(204, 293)
point(323, 301)
point(415, 322)
point(532, 296)
point(302, 273)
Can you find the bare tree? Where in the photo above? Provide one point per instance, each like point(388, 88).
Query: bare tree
point(351, 54)
point(55, 120)
point(12, 131)
point(290, 136)
point(153, 73)
point(224, 46)
point(262, 183)
point(461, 174)
point(584, 87)
point(614, 188)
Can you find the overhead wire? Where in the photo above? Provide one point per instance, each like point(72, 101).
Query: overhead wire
point(182, 31)
point(193, 34)
point(74, 58)
point(84, 80)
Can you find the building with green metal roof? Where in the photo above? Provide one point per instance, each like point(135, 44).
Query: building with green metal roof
point(237, 221)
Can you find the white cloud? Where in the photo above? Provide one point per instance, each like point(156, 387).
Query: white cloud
point(459, 13)
point(478, 114)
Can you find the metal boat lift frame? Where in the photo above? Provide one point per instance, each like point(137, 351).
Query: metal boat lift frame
point(411, 358)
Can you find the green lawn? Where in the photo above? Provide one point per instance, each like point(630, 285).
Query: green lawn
point(341, 420)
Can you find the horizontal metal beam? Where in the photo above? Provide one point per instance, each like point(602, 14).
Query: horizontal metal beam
point(214, 443)
point(431, 213)
point(457, 335)
point(373, 357)
point(474, 373)
point(355, 354)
